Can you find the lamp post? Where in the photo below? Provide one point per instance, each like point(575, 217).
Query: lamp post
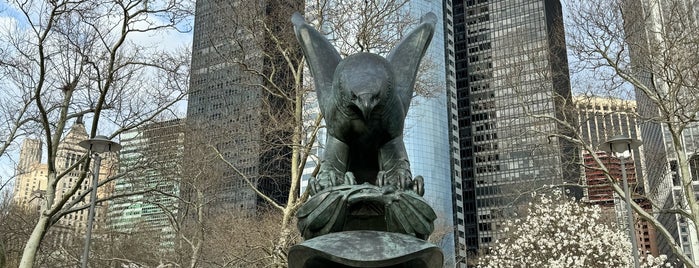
point(95, 146)
point(618, 146)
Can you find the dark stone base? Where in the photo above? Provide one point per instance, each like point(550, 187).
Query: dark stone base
point(365, 249)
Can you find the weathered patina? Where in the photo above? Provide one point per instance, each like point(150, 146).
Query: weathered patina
point(366, 209)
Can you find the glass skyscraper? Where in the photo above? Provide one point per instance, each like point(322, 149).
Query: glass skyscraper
point(510, 65)
point(430, 129)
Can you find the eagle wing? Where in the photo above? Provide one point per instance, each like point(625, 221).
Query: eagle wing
point(322, 59)
point(406, 56)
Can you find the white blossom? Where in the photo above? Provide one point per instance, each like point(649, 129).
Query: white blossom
point(560, 232)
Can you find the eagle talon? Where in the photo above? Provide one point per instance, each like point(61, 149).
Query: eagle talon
point(419, 185)
point(349, 178)
point(327, 179)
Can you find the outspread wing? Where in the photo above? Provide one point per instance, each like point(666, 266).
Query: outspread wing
point(405, 58)
point(321, 56)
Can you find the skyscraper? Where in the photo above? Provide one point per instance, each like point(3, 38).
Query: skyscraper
point(430, 135)
point(150, 159)
point(31, 175)
point(600, 119)
point(655, 33)
point(30, 155)
point(510, 65)
point(237, 93)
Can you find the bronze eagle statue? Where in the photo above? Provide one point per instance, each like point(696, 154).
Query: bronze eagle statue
point(364, 99)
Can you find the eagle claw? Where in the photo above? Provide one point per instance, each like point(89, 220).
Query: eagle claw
point(328, 178)
point(400, 180)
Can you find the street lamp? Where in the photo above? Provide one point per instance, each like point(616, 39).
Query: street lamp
point(618, 146)
point(95, 146)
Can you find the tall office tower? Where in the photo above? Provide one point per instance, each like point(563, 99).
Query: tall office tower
point(29, 155)
point(650, 28)
point(430, 133)
point(29, 187)
point(151, 158)
point(600, 119)
point(510, 64)
point(236, 101)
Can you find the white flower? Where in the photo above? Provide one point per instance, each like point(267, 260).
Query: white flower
point(559, 232)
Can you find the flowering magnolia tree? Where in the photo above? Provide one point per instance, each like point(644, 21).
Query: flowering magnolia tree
point(559, 232)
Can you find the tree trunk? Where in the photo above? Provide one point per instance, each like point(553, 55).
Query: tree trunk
point(32, 246)
point(279, 256)
point(199, 236)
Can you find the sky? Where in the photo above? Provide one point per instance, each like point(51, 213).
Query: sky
point(170, 40)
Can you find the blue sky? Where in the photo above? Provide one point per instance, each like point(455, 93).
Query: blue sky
point(169, 40)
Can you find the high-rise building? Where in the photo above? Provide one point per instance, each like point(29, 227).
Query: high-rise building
point(30, 155)
point(430, 135)
point(600, 119)
point(651, 27)
point(31, 175)
point(237, 93)
point(511, 73)
point(151, 158)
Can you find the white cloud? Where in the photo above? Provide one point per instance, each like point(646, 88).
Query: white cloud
point(8, 24)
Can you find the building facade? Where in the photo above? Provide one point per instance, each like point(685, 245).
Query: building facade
point(511, 74)
point(430, 135)
point(30, 187)
point(150, 158)
point(234, 101)
point(31, 184)
point(600, 119)
point(651, 27)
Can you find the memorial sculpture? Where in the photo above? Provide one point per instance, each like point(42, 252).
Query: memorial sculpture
point(364, 191)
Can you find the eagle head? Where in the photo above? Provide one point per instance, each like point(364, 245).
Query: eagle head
point(364, 80)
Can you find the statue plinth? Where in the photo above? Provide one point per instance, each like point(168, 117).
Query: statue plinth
point(366, 207)
point(365, 249)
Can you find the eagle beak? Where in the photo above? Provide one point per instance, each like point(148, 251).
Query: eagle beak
point(365, 104)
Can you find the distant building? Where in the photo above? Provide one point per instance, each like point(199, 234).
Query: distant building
point(600, 119)
point(431, 128)
point(150, 159)
point(31, 184)
point(511, 64)
point(29, 156)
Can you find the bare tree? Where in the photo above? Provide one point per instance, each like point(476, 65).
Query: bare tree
point(648, 46)
point(616, 48)
point(14, 222)
point(68, 59)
